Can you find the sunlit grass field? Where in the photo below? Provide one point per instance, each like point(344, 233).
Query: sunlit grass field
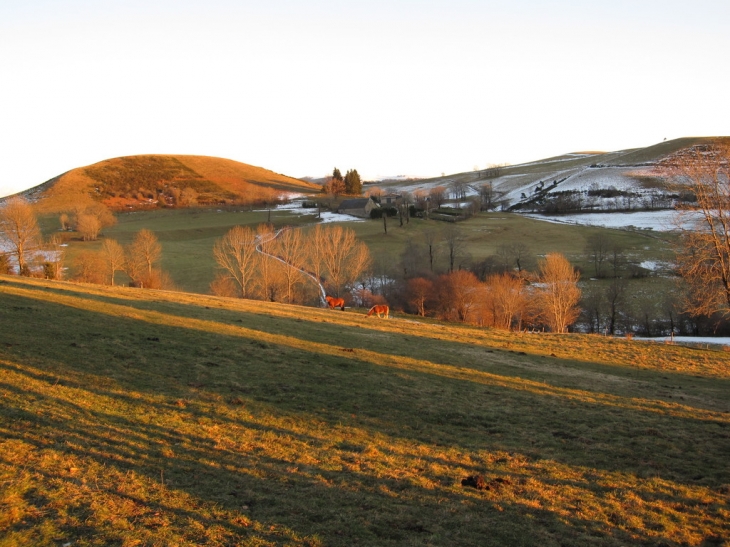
point(132, 417)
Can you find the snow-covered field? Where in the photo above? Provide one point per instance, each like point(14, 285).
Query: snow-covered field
point(660, 221)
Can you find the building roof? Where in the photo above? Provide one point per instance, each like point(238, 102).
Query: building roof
point(355, 203)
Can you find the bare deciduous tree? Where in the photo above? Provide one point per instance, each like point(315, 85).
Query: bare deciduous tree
point(615, 295)
point(459, 295)
point(437, 195)
point(419, 292)
point(703, 257)
point(506, 300)
point(268, 268)
point(458, 189)
point(597, 248)
point(82, 223)
point(143, 254)
point(431, 238)
point(5, 267)
point(88, 226)
point(617, 257)
point(515, 255)
point(89, 267)
point(290, 248)
point(454, 245)
point(18, 226)
point(235, 253)
point(112, 253)
point(559, 293)
point(488, 197)
point(344, 259)
point(56, 253)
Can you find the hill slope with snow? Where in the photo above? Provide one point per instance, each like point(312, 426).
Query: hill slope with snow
point(624, 180)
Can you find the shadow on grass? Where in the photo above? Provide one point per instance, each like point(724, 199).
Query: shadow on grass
point(491, 354)
point(170, 387)
point(283, 498)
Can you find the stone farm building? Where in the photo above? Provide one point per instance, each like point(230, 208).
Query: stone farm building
point(357, 207)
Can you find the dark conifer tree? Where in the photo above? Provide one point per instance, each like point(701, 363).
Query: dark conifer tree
point(353, 184)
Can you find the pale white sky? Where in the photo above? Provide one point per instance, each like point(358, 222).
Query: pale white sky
point(396, 87)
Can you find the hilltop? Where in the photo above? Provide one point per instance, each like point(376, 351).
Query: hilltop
point(594, 180)
point(148, 181)
point(137, 417)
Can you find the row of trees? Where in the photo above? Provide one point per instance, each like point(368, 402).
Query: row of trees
point(288, 265)
point(424, 201)
point(88, 220)
point(504, 300)
point(139, 261)
point(30, 252)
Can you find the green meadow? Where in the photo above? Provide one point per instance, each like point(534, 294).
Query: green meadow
point(135, 417)
point(188, 235)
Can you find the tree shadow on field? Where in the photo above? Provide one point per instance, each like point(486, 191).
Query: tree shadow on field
point(313, 325)
point(185, 362)
point(222, 403)
point(250, 493)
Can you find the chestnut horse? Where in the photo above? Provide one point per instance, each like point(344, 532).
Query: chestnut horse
point(335, 302)
point(378, 309)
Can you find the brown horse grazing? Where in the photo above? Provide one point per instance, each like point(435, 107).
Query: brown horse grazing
point(378, 309)
point(335, 302)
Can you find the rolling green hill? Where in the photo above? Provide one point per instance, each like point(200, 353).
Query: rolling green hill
point(134, 417)
point(149, 181)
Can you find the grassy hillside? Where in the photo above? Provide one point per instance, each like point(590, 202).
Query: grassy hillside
point(655, 153)
point(132, 417)
point(140, 181)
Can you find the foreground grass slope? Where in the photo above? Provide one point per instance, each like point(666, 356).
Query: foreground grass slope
point(132, 417)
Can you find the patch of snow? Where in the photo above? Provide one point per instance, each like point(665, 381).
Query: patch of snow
point(338, 217)
point(325, 216)
point(661, 221)
point(292, 205)
point(654, 265)
point(31, 255)
point(711, 340)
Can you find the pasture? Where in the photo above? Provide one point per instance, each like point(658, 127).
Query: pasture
point(188, 235)
point(132, 417)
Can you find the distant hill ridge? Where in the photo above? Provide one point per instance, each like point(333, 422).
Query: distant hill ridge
point(157, 180)
point(572, 182)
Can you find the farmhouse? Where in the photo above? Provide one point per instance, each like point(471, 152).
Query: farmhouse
point(357, 207)
point(391, 200)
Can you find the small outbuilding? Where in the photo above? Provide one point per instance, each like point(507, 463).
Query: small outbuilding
point(357, 207)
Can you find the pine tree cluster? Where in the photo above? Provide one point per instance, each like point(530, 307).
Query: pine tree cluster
point(350, 184)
